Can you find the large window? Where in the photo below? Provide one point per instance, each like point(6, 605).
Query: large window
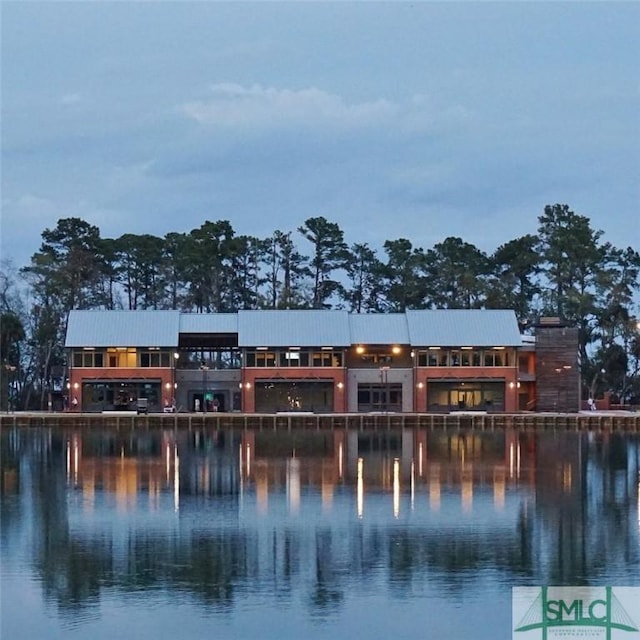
point(121, 357)
point(277, 396)
point(466, 357)
point(213, 358)
point(114, 395)
point(465, 396)
point(380, 397)
point(294, 358)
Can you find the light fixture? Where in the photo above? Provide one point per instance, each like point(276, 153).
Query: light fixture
point(359, 349)
point(434, 348)
point(261, 348)
point(176, 355)
point(413, 354)
point(75, 385)
point(326, 348)
point(340, 385)
point(420, 385)
point(247, 385)
point(395, 350)
point(167, 385)
point(466, 348)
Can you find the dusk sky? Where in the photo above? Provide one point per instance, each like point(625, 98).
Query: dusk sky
point(395, 120)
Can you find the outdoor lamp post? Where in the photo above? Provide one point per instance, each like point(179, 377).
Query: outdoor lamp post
point(204, 368)
point(10, 371)
point(384, 391)
point(176, 357)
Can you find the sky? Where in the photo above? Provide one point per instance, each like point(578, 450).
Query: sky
point(417, 120)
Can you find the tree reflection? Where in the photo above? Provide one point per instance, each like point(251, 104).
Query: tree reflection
point(105, 517)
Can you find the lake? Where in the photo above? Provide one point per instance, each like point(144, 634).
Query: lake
point(238, 534)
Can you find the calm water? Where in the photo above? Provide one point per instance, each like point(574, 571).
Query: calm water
point(403, 534)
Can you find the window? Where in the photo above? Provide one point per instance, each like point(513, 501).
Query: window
point(321, 359)
point(523, 363)
point(265, 359)
point(289, 358)
point(380, 397)
point(375, 358)
point(88, 359)
point(294, 358)
point(122, 357)
point(155, 359)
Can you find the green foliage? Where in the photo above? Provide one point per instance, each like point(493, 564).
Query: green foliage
point(285, 273)
point(457, 273)
point(329, 255)
point(512, 284)
point(564, 270)
point(139, 260)
point(364, 292)
point(403, 275)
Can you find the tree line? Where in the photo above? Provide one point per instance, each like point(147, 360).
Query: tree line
point(566, 269)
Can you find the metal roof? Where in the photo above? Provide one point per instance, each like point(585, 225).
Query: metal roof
point(304, 328)
point(293, 327)
point(378, 328)
point(208, 323)
point(123, 329)
point(464, 327)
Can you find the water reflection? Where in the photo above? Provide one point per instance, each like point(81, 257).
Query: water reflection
point(320, 523)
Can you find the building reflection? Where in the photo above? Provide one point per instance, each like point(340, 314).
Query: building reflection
point(203, 511)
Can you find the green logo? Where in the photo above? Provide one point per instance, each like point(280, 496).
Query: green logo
point(574, 612)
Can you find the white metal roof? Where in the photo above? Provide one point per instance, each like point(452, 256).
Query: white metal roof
point(208, 323)
point(378, 328)
point(304, 328)
point(123, 329)
point(464, 327)
point(288, 328)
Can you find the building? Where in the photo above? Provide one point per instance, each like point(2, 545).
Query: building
point(305, 361)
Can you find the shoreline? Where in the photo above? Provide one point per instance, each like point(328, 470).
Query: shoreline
point(617, 420)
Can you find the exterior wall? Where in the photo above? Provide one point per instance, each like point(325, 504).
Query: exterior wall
point(557, 371)
point(336, 375)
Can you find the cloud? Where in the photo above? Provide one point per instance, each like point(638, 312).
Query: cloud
point(233, 105)
point(70, 99)
point(29, 207)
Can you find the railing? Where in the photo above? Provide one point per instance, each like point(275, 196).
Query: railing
point(361, 421)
